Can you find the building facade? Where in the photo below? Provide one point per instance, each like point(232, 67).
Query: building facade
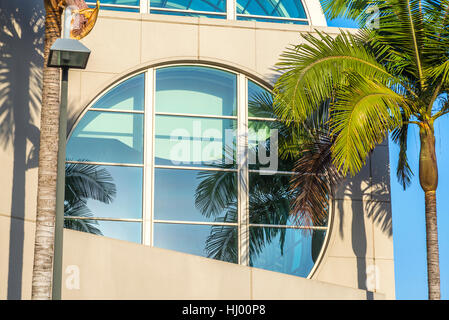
point(168, 119)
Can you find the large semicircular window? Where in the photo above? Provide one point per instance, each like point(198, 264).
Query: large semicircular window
point(185, 158)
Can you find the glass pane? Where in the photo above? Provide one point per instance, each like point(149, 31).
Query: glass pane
point(273, 8)
point(128, 95)
point(290, 251)
point(188, 14)
point(200, 195)
point(217, 242)
point(194, 141)
point(264, 138)
point(107, 137)
point(269, 199)
point(197, 5)
point(251, 18)
point(103, 191)
point(128, 231)
point(260, 101)
point(196, 90)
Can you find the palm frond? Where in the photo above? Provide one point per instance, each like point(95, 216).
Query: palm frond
point(216, 191)
point(80, 210)
point(85, 181)
point(363, 114)
point(402, 29)
point(222, 243)
point(352, 9)
point(315, 69)
point(403, 172)
point(314, 182)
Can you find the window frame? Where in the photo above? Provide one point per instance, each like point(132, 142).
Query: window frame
point(148, 166)
point(230, 12)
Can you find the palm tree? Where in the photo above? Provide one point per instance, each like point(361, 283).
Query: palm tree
point(377, 81)
point(46, 198)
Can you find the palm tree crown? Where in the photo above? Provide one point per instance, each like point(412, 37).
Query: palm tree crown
point(376, 81)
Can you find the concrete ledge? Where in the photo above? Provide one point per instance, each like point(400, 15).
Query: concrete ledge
point(113, 269)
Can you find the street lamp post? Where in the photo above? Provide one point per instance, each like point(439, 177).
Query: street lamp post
point(65, 53)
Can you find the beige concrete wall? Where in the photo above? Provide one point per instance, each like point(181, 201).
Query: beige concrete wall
point(359, 253)
point(21, 39)
point(100, 268)
point(359, 247)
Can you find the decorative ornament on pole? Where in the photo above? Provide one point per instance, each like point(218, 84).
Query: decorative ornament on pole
point(84, 17)
point(68, 52)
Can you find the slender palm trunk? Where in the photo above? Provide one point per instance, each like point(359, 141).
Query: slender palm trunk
point(46, 198)
point(428, 177)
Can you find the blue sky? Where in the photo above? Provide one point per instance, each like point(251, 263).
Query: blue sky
point(409, 230)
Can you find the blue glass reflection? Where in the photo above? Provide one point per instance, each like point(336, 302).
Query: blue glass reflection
point(111, 137)
point(250, 18)
point(274, 8)
point(103, 191)
point(127, 204)
point(188, 14)
point(196, 90)
point(199, 195)
point(269, 199)
point(128, 231)
point(128, 95)
point(196, 5)
point(190, 141)
point(288, 251)
point(216, 242)
point(264, 139)
point(260, 101)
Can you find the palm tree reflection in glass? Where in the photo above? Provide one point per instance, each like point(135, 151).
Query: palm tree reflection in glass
point(84, 182)
point(298, 199)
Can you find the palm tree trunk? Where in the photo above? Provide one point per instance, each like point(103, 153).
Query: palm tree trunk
point(428, 177)
point(46, 198)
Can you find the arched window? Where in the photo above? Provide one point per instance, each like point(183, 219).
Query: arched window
point(185, 158)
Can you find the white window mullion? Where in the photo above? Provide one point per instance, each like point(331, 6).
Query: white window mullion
point(230, 9)
point(243, 175)
point(144, 6)
point(148, 160)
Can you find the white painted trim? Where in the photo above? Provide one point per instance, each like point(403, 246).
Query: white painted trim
point(315, 13)
point(144, 6)
point(231, 9)
point(147, 228)
point(243, 175)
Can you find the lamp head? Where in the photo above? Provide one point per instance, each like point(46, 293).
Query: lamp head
point(68, 53)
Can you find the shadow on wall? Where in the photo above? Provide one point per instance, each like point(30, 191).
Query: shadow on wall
point(363, 187)
point(21, 60)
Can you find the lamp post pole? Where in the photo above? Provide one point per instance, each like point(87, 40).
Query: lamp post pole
point(60, 188)
point(60, 180)
point(65, 53)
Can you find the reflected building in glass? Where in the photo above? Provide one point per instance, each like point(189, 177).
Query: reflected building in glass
point(175, 183)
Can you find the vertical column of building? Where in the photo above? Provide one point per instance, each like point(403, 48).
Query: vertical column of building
point(242, 161)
